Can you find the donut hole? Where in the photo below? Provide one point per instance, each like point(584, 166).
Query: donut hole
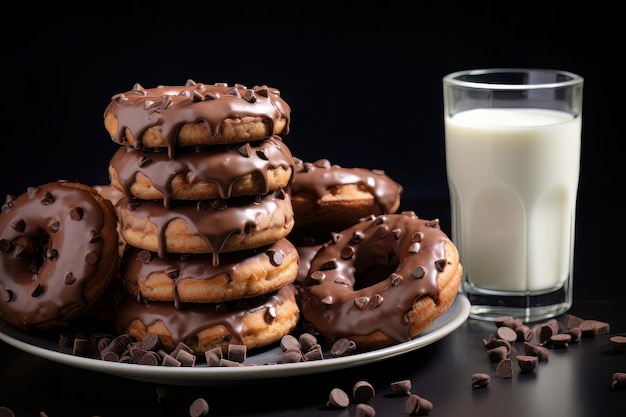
point(372, 268)
point(35, 249)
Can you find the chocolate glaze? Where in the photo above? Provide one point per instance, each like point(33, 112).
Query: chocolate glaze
point(368, 277)
point(220, 164)
point(138, 264)
point(184, 322)
point(62, 226)
point(317, 178)
point(170, 107)
point(214, 220)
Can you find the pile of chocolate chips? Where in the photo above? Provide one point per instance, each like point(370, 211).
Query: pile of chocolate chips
point(537, 342)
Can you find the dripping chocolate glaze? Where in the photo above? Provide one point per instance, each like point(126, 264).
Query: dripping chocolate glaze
point(220, 164)
point(318, 177)
point(138, 264)
point(215, 222)
point(191, 318)
point(63, 223)
point(352, 289)
point(170, 107)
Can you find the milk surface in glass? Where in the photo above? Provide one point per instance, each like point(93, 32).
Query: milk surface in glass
point(513, 178)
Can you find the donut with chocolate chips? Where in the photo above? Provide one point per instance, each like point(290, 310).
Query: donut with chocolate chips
point(181, 278)
point(380, 282)
point(203, 172)
point(251, 322)
point(206, 226)
point(328, 198)
point(195, 114)
point(58, 254)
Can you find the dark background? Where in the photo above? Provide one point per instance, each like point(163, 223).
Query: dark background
point(364, 86)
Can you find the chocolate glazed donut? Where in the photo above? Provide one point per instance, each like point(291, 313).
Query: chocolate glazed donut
point(203, 172)
point(382, 281)
point(195, 114)
point(58, 254)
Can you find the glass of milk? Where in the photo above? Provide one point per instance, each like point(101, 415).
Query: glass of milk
point(512, 141)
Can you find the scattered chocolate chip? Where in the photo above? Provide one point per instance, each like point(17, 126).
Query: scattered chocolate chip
point(535, 350)
point(507, 333)
point(401, 388)
point(185, 358)
point(560, 340)
point(527, 363)
point(418, 406)
point(618, 343)
point(342, 347)
point(504, 369)
point(497, 354)
point(363, 392)
point(81, 347)
point(337, 398)
point(307, 341)
point(288, 342)
point(150, 358)
point(237, 353)
point(364, 410)
point(151, 342)
point(618, 381)
point(199, 408)
point(169, 360)
point(313, 354)
point(480, 380)
point(291, 356)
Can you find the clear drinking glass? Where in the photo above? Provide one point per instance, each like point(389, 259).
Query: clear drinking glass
point(513, 142)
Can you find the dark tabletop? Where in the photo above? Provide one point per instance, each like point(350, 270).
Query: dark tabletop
point(575, 381)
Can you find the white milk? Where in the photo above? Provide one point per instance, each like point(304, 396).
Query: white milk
point(513, 178)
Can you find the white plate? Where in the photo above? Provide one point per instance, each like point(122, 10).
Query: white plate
point(203, 375)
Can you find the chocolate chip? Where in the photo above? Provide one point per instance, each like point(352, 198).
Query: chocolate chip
point(364, 410)
point(401, 388)
point(199, 408)
point(150, 359)
point(395, 279)
point(5, 245)
point(560, 341)
point(497, 354)
point(504, 369)
point(76, 213)
point(69, 278)
point(291, 356)
point(418, 406)
point(81, 347)
point(618, 381)
point(527, 363)
point(46, 199)
point(144, 257)
point(480, 380)
point(237, 353)
point(276, 257)
point(347, 252)
point(343, 347)
point(535, 350)
point(151, 342)
point(288, 342)
point(19, 225)
point(169, 360)
point(227, 363)
point(618, 343)
point(337, 398)
point(419, 272)
point(313, 354)
point(245, 150)
point(92, 257)
point(52, 254)
point(94, 237)
point(109, 356)
point(363, 392)
point(307, 341)
point(441, 264)
point(507, 333)
point(185, 358)
point(6, 295)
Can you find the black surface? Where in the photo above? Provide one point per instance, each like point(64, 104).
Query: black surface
point(364, 86)
point(574, 382)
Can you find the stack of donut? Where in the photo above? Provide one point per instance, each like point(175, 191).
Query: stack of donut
point(204, 214)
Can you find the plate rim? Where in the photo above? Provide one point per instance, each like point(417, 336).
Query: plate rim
point(451, 319)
